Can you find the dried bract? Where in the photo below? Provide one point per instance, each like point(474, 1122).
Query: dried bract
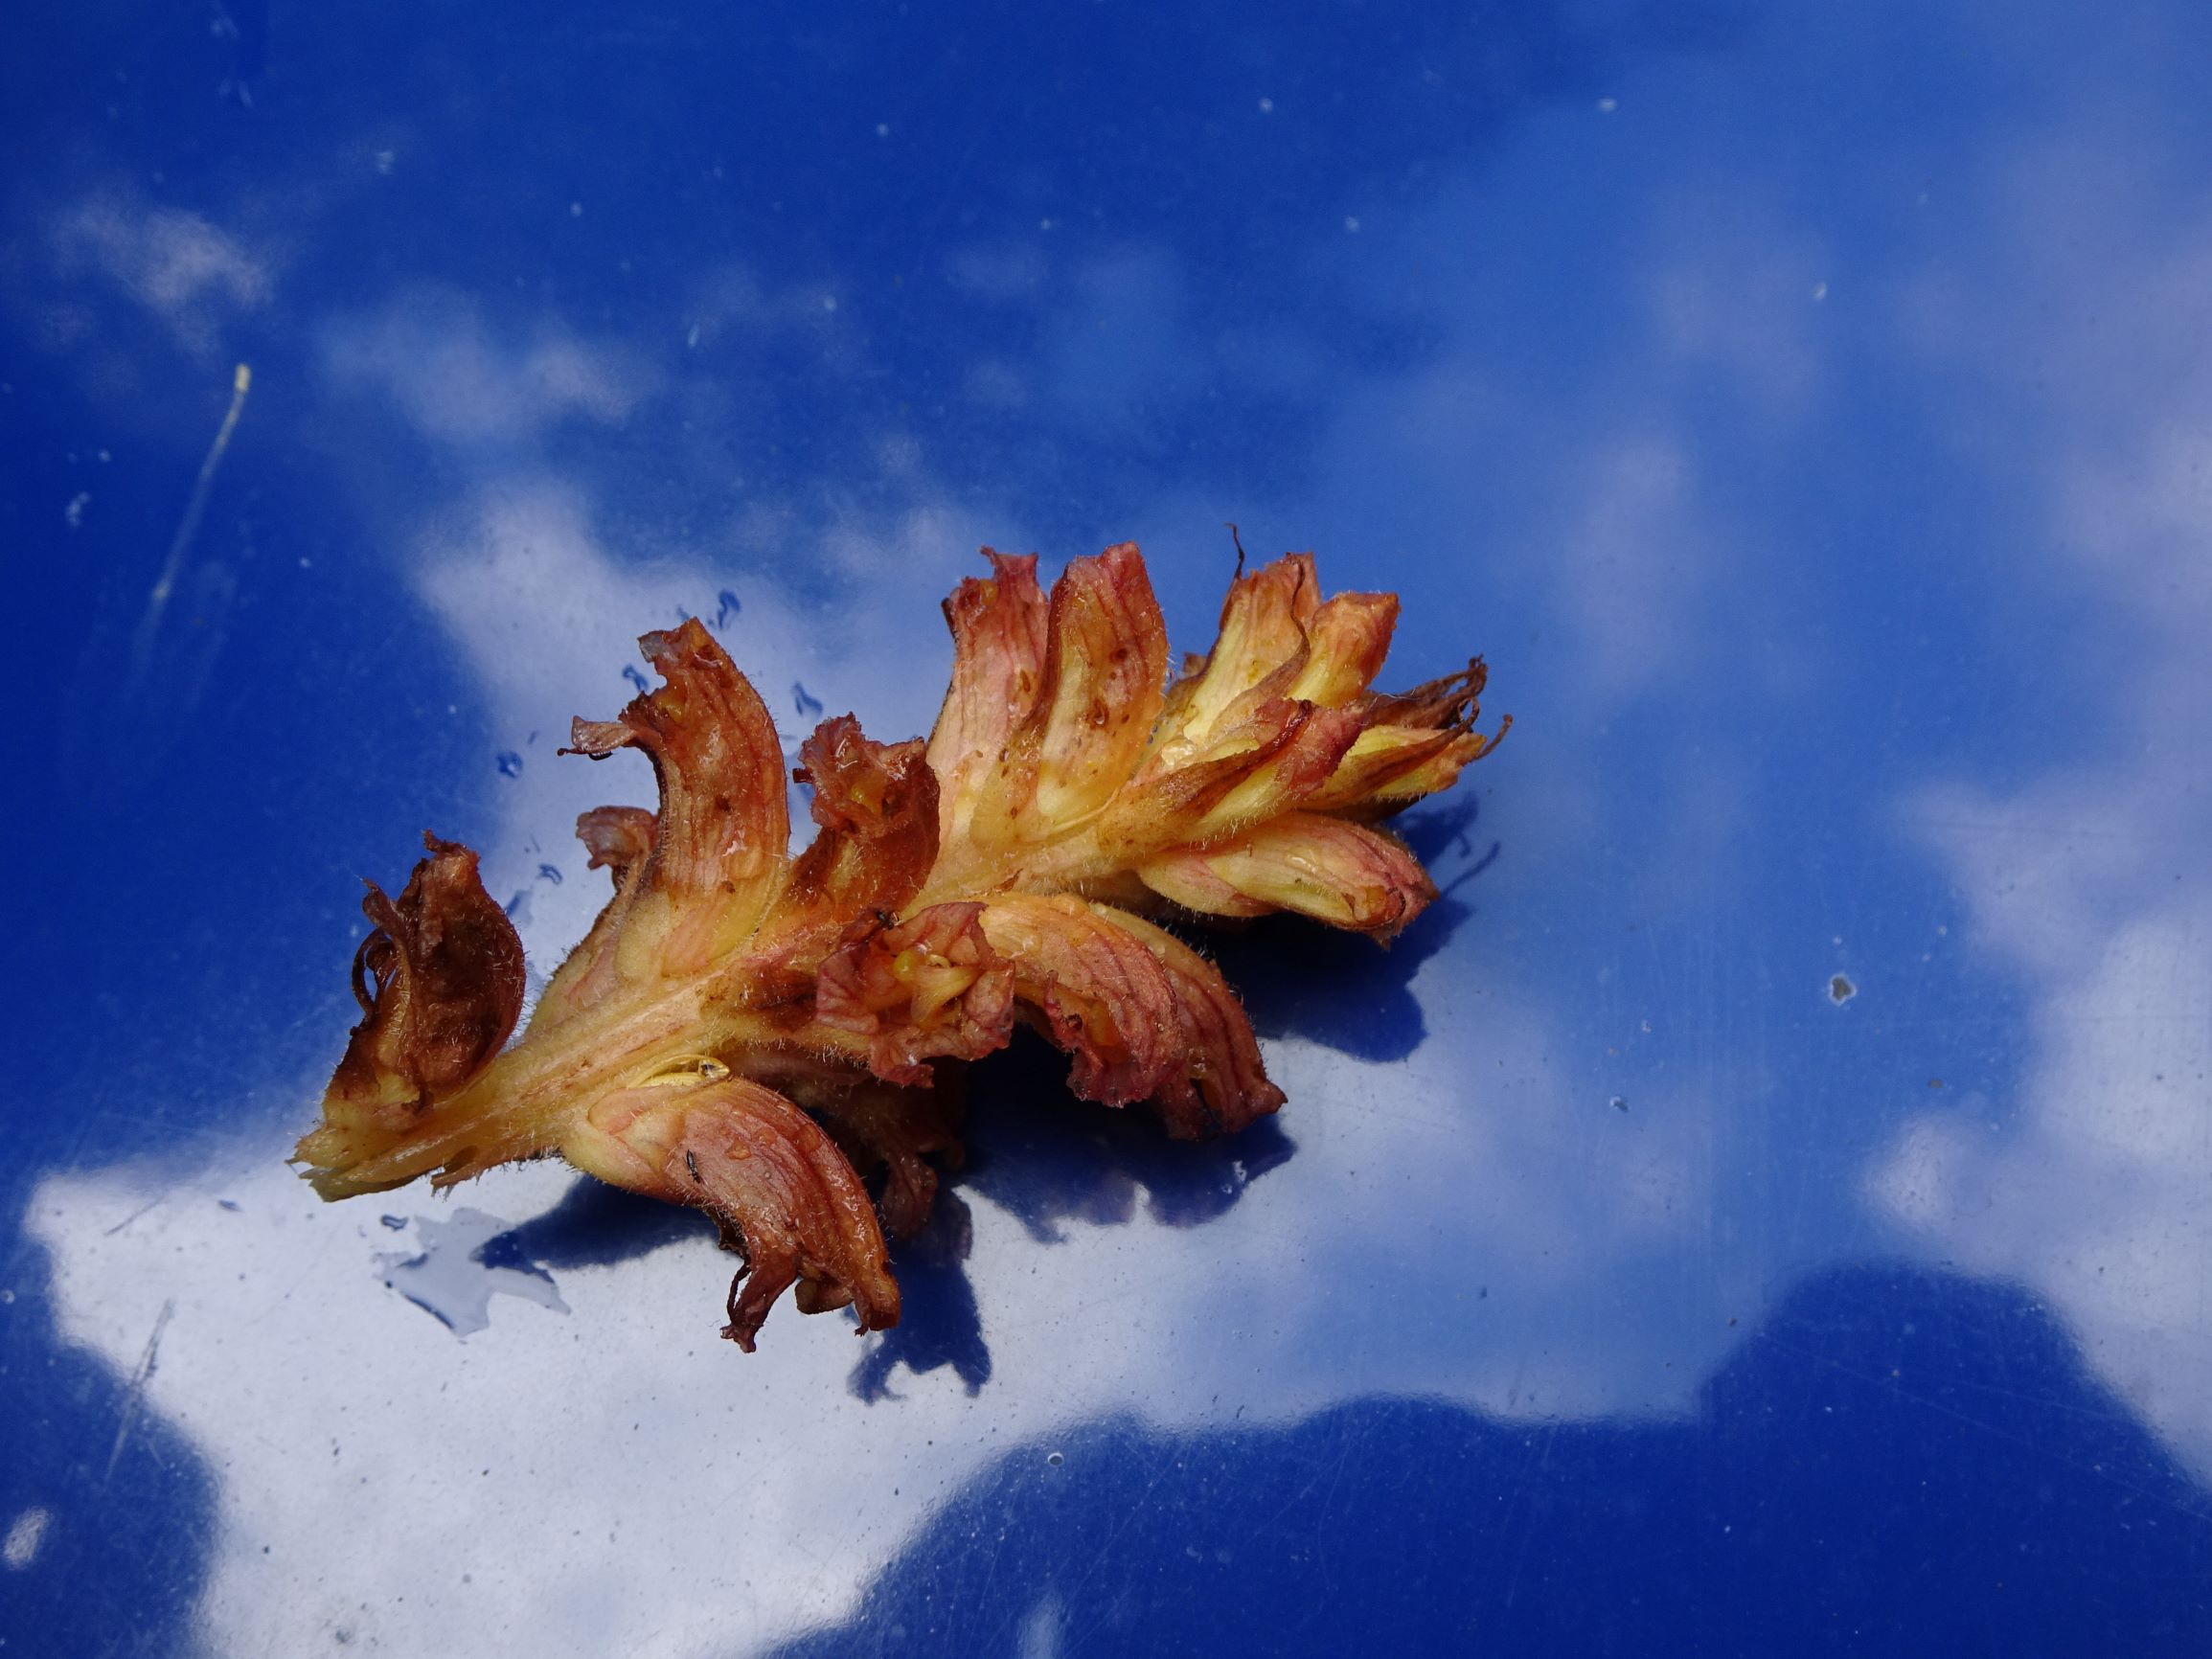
point(761, 1035)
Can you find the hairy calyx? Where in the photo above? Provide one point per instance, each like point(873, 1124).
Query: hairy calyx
point(764, 1035)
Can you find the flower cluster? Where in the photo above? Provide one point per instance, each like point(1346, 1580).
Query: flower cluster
point(768, 1035)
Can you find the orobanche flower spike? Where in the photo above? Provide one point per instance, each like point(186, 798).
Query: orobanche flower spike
point(765, 1035)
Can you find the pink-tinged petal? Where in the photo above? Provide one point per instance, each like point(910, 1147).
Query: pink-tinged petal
point(932, 986)
point(1218, 1083)
point(767, 1172)
point(1185, 878)
point(1345, 874)
point(1104, 997)
point(998, 650)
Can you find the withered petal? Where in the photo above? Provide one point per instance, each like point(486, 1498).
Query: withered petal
point(1262, 632)
point(620, 839)
point(439, 981)
point(931, 986)
point(724, 829)
point(1106, 664)
point(876, 807)
point(1346, 640)
point(906, 1132)
point(999, 647)
point(1218, 1082)
point(763, 1167)
point(616, 838)
point(1105, 998)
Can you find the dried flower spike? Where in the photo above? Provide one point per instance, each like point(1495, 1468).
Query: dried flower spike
point(760, 1034)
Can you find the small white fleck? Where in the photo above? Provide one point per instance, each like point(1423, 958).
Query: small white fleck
point(882, 130)
point(1267, 106)
point(1606, 106)
point(75, 510)
point(576, 210)
point(1819, 292)
point(1351, 222)
point(305, 563)
point(105, 456)
point(693, 338)
point(26, 1535)
point(828, 301)
point(384, 160)
point(1044, 225)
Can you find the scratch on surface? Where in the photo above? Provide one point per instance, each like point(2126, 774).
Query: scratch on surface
point(134, 1397)
point(1521, 1484)
point(1996, 1431)
point(157, 600)
point(150, 1204)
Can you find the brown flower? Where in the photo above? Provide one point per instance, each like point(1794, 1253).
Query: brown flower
point(752, 1032)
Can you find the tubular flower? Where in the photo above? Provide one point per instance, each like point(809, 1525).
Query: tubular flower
point(763, 1035)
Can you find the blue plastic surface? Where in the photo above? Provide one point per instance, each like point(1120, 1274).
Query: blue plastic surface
point(1765, 1208)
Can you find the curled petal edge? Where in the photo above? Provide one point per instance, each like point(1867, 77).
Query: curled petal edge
point(786, 1197)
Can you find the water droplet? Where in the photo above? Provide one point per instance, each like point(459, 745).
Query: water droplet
point(509, 763)
point(730, 607)
point(465, 1263)
point(1055, 1458)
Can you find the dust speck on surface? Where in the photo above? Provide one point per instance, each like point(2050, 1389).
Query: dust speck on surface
point(1840, 990)
point(25, 1536)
